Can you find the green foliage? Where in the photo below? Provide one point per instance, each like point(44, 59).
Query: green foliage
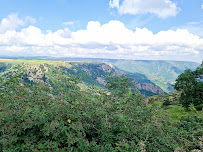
point(199, 107)
point(147, 93)
point(190, 83)
point(120, 85)
point(165, 99)
point(55, 115)
point(192, 122)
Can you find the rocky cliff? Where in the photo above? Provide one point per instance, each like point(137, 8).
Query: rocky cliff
point(149, 87)
point(97, 72)
point(90, 73)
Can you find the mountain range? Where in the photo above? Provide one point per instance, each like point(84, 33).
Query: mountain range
point(150, 77)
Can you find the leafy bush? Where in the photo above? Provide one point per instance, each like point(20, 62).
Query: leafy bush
point(58, 116)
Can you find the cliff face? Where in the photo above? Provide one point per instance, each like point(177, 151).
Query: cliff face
point(94, 73)
point(149, 87)
point(97, 72)
point(161, 73)
point(90, 73)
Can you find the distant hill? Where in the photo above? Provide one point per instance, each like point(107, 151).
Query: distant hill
point(163, 73)
point(90, 73)
point(159, 73)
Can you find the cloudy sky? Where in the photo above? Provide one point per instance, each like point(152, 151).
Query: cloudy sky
point(123, 29)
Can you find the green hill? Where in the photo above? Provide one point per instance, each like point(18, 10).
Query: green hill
point(90, 73)
point(161, 73)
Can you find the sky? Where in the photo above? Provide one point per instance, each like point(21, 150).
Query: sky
point(115, 29)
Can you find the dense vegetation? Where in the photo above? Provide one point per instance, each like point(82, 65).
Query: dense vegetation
point(190, 83)
point(53, 113)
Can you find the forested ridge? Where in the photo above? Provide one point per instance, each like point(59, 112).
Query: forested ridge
point(44, 108)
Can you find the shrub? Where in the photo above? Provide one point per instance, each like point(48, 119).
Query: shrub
point(58, 116)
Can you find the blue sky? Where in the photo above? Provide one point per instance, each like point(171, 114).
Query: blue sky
point(127, 29)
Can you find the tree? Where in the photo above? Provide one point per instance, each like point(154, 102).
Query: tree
point(190, 83)
point(120, 85)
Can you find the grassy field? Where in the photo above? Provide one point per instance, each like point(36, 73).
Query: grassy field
point(35, 61)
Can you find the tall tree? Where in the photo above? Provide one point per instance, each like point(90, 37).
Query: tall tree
point(190, 83)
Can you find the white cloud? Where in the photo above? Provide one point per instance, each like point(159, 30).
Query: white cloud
point(29, 19)
point(161, 8)
point(110, 40)
point(195, 28)
point(114, 3)
point(12, 22)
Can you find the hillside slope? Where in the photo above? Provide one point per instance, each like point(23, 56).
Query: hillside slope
point(97, 73)
point(161, 73)
point(90, 73)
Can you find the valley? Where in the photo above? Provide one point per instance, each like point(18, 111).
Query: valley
point(151, 77)
point(101, 76)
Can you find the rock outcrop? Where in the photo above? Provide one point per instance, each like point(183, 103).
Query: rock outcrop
point(149, 87)
point(98, 72)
